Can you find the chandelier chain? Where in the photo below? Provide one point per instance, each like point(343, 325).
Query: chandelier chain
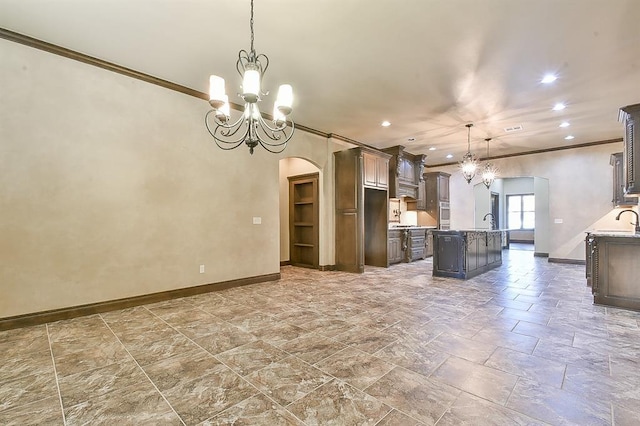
point(251, 25)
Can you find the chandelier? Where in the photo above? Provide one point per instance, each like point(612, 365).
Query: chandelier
point(490, 171)
point(468, 165)
point(251, 128)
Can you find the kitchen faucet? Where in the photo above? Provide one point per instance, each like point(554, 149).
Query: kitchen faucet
point(637, 224)
point(493, 220)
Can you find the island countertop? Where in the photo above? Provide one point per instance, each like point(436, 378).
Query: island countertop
point(613, 233)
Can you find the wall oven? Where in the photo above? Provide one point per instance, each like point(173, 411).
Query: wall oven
point(444, 216)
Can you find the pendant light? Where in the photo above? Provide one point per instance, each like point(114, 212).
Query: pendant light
point(469, 164)
point(251, 128)
point(489, 172)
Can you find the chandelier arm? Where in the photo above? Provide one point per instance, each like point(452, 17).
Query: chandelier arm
point(274, 136)
point(262, 69)
point(221, 128)
point(229, 127)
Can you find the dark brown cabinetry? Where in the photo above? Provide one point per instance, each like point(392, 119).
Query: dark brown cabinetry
point(614, 270)
point(465, 254)
point(619, 199)
point(395, 252)
point(630, 117)
point(436, 205)
point(416, 244)
point(405, 172)
point(376, 170)
point(362, 206)
point(303, 220)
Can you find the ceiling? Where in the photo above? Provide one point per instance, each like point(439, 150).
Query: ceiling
point(427, 66)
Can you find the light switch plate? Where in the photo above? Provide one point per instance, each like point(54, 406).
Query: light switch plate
point(257, 220)
point(558, 221)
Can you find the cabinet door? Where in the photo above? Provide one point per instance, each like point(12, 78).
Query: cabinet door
point(382, 172)
point(618, 197)
point(370, 169)
point(421, 202)
point(443, 188)
point(407, 170)
point(395, 250)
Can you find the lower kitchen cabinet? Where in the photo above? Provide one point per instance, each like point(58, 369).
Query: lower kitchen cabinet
point(394, 249)
point(409, 244)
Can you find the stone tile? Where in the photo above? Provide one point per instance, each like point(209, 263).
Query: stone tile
point(468, 410)
point(251, 357)
point(288, 379)
point(365, 339)
point(529, 366)
point(396, 418)
point(209, 394)
point(149, 353)
point(507, 339)
point(355, 367)
point(26, 389)
point(413, 356)
point(25, 334)
point(485, 382)
point(126, 406)
point(280, 333)
point(226, 337)
point(13, 343)
point(420, 398)
point(472, 350)
point(312, 347)
point(584, 358)
point(553, 334)
point(78, 329)
point(20, 365)
point(42, 412)
point(186, 367)
point(72, 362)
point(257, 410)
point(337, 403)
point(557, 406)
point(624, 416)
point(91, 384)
point(253, 321)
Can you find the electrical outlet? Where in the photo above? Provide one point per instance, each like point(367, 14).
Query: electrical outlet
point(257, 220)
point(558, 221)
point(202, 269)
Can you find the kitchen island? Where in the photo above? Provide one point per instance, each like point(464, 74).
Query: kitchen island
point(466, 253)
point(613, 268)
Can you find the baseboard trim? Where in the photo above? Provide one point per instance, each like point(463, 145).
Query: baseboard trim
point(567, 261)
point(511, 240)
point(43, 317)
point(285, 262)
point(327, 267)
point(539, 254)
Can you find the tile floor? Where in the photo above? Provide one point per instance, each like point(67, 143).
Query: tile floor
point(521, 344)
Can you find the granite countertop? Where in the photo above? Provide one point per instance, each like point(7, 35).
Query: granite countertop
point(471, 230)
point(401, 227)
point(614, 233)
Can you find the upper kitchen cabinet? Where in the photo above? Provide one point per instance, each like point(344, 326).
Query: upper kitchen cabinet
point(362, 209)
point(630, 116)
point(376, 170)
point(405, 172)
point(619, 199)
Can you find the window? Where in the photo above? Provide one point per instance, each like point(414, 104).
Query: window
point(521, 212)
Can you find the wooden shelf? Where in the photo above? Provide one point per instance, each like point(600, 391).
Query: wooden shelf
point(303, 220)
point(303, 245)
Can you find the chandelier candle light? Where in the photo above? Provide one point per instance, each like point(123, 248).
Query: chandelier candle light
point(251, 128)
point(469, 164)
point(490, 172)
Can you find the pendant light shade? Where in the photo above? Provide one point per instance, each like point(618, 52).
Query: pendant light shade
point(489, 172)
point(469, 164)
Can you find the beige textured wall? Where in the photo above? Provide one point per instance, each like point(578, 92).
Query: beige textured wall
point(111, 187)
point(580, 182)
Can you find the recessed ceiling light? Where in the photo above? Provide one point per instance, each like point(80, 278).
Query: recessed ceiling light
point(433, 148)
point(385, 124)
point(569, 137)
point(548, 78)
point(559, 106)
point(449, 155)
point(564, 124)
point(411, 139)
